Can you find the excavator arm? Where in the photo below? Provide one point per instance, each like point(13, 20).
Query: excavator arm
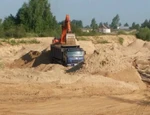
point(66, 28)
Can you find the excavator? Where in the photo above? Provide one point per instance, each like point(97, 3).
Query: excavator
point(66, 28)
point(65, 50)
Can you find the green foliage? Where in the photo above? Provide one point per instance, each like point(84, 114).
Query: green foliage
point(102, 41)
point(1, 65)
point(82, 38)
point(77, 23)
point(9, 22)
point(91, 33)
point(115, 22)
point(15, 32)
point(17, 42)
point(121, 40)
point(144, 34)
point(126, 25)
point(75, 29)
point(94, 25)
point(1, 29)
point(121, 32)
point(36, 17)
point(146, 23)
point(33, 18)
point(135, 26)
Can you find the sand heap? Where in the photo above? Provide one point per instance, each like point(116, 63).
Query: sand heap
point(108, 58)
point(142, 64)
point(35, 59)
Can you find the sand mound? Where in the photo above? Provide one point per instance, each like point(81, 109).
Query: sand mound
point(32, 59)
point(88, 46)
point(137, 44)
point(129, 75)
point(147, 45)
point(142, 64)
point(106, 59)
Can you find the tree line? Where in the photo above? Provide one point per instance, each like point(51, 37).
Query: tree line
point(35, 18)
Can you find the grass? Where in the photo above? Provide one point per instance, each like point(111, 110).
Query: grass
point(17, 42)
point(82, 39)
point(1, 65)
point(102, 41)
point(121, 40)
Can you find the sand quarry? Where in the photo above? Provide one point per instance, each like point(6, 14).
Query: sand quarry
point(114, 79)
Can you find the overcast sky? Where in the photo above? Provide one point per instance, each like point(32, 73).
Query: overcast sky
point(101, 10)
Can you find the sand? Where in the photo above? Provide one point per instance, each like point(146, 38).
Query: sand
point(27, 75)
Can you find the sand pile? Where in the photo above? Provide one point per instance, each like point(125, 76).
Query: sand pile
point(137, 44)
point(88, 46)
point(32, 59)
point(137, 48)
point(147, 45)
point(108, 58)
point(127, 39)
point(114, 61)
point(142, 64)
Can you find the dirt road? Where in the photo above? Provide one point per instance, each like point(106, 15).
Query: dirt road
point(137, 103)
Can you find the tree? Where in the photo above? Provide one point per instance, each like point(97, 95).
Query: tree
point(1, 29)
point(9, 22)
point(146, 23)
point(93, 25)
point(120, 24)
point(144, 34)
point(36, 17)
point(77, 23)
point(76, 26)
point(100, 24)
point(126, 25)
point(0, 25)
point(0, 22)
point(135, 26)
point(87, 26)
point(115, 22)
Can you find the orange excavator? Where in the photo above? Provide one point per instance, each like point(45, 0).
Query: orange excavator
point(67, 36)
point(65, 50)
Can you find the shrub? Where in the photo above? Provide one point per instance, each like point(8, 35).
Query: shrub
point(17, 42)
point(121, 32)
point(15, 32)
point(1, 65)
point(19, 32)
point(33, 41)
point(144, 34)
point(102, 41)
point(31, 35)
point(82, 38)
point(121, 40)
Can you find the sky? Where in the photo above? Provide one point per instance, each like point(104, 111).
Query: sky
point(102, 10)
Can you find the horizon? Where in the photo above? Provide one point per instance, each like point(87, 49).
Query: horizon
point(129, 11)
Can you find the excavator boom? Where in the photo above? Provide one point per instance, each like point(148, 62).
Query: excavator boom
point(66, 28)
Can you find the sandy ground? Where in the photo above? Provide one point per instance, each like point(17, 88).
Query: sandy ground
point(110, 81)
